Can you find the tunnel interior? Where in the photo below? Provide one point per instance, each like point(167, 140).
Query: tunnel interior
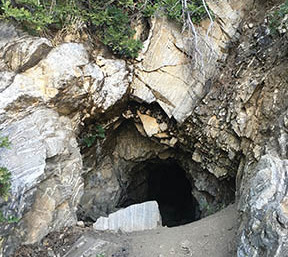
point(166, 182)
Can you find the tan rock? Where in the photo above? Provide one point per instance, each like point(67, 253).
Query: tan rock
point(161, 135)
point(18, 51)
point(163, 126)
point(150, 124)
point(167, 75)
point(196, 156)
point(170, 142)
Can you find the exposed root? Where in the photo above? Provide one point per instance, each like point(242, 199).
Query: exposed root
point(189, 25)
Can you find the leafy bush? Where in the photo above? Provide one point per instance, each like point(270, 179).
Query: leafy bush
point(5, 175)
point(115, 31)
point(9, 220)
point(110, 20)
point(90, 138)
point(29, 13)
point(5, 184)
point(278, 20)
point(173, 9)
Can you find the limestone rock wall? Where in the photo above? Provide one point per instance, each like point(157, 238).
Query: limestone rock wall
point(169, 58)
point(43, 92)
point(239, 127)
point(45, 164)
point(225, 113)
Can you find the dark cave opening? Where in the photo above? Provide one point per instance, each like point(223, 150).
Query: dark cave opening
point(166, 182)
point(168, 185)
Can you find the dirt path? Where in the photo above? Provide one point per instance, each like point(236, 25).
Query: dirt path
point(213, 236)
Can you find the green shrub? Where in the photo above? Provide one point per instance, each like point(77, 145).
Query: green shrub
point(115, 31)
point(110, 20)
point(34, 18)
point(5, 175)
point(5, 184)
point(173, 9)
point(91, 137)
point(4, 142)
point(9, 220)
point(277, 18)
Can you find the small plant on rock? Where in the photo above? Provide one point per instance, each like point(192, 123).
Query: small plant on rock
point(90, 138)
point(5, 184)
point(9, 220)
point(278, 20)
point(109, 20)
point(5, 175)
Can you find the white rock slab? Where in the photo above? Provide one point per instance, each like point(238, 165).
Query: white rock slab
point(91, 246)
point(136, 217)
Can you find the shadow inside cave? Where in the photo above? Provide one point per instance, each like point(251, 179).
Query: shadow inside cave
point(165, 182)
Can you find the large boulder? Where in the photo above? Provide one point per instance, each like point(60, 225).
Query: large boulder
point(18, 51)
point(136, 217)
point(174, 67)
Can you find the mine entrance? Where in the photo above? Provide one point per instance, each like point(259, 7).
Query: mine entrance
point(168, 185)
point(166, 182)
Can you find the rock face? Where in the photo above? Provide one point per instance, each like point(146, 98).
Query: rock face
point(39, 87)
point(46, 165)
point(239, 127)
point(171, 72)
point(264, 207)
point(166, 105)
point(45, 82)
point(136, 217)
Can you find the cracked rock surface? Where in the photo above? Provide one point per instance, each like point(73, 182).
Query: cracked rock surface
point(221, 118)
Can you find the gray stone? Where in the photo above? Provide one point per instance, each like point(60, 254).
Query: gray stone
point(18, 51)
point(264, 206)
point(90, 246)
point(136, 217)
point(115, 86)
point(6, 78)
point(45, 163)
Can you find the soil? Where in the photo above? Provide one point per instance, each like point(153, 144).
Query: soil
point(212, 236)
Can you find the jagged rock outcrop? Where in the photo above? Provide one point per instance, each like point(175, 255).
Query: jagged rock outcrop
point(263, 205)
point(169, 58)
point(216, 128)
point(239, 127)
point(41, 86)
point(46, 165)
